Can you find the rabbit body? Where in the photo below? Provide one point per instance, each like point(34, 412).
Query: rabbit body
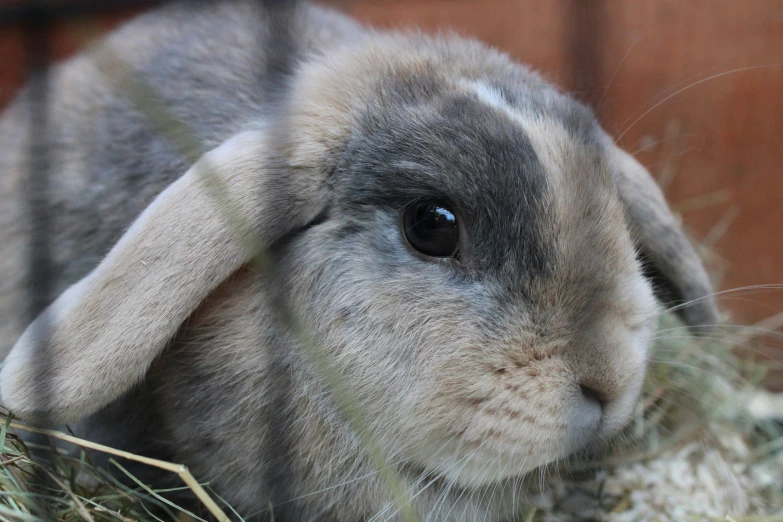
point(472, 372)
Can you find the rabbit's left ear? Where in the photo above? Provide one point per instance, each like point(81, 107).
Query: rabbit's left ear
point(678, 275)
point(98, 339)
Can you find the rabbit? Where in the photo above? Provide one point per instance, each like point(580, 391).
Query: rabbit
point(461, 241)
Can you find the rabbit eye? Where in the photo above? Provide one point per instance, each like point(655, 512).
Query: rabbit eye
point(430, 227)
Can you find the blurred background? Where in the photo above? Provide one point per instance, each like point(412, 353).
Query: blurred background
point(694, 89)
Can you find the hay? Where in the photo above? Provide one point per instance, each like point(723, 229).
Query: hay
point(694, 451)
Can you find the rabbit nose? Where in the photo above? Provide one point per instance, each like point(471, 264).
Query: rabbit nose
point(593, 395)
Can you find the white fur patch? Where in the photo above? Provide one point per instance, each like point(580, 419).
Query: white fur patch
point(548, 137)
point(492, 97)
point(550, 140)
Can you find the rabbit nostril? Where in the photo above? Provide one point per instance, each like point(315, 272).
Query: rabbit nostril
point(593, 395)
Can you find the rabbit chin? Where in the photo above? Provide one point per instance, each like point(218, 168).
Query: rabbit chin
point(476, 463)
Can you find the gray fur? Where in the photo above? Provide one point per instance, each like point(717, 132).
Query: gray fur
point(471, 374)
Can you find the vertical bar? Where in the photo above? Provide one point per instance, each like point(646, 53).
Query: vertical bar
point(584, 23)
point(39, 283)
point(36, 27)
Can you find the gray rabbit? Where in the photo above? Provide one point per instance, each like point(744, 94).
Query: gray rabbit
point(471, 251)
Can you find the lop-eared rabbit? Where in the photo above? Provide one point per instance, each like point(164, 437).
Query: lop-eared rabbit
point(470, 252)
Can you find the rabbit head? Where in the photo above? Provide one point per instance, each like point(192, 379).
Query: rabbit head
point(464, 242)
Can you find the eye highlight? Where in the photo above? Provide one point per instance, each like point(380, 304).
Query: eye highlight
point(430, 227)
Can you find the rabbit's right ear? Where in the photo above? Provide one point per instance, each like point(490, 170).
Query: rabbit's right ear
point(98, 338)
point(676, 269)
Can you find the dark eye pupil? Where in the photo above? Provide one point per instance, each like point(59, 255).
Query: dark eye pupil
point(431, 228)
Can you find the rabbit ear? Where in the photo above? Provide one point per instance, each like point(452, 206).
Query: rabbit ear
point(678, 275)
point(98, 338)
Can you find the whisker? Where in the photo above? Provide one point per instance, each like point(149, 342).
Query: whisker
point(664, 140)
point(496, 485)
point(619, 66)
point(679, 364)
point(749, 288)
point(664, 92)
point(733, 349)
point(754, 328)
point(692, 85)
point(453, 480)
point(444, 472)
point(464, 489)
